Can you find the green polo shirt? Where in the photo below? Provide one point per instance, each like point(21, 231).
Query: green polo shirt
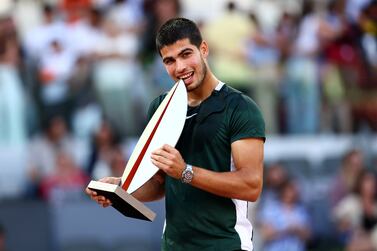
point(195, 219)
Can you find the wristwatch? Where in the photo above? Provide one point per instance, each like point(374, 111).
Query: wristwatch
point(187, 174)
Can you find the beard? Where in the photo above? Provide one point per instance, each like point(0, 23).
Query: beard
point(203, 70)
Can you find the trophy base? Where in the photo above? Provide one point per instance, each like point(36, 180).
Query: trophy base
point(122, 201)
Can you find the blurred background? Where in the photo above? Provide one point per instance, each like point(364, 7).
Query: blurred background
point(76, 78)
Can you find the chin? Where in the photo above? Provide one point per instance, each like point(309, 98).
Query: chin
point(191, 87)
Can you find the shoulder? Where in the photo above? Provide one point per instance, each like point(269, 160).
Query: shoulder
point(155, 103)
point(244, 116)
point(235, 98)
point(240, 103)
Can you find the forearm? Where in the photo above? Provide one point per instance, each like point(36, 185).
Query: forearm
point(239, 184)
point(244, 183)
point(152, 190)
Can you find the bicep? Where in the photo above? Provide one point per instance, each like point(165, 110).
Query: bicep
point(247, 157)
point(248, 153)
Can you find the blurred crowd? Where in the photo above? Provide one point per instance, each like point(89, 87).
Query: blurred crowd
point(82, 72)
point(285, 218)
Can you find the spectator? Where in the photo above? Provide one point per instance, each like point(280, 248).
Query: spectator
point(365, 69)
point(336, 113)
point(345, 180)
point(86, 113)
point(228, 36)
point(275, 176)
point(286, 31)
point(285, 225)
point(55, 68)
point(104, 141)
point(156, 13)
point(118, 80)
point(65, 183)
point(118, 162)
point(356, 215)
point(13, 129)
point(83, 32)
point(44, 149)
point(263, 57)
point(354, 7)
point(39, 39)
point(128, 15)
point(301, 83)
point(81, 27)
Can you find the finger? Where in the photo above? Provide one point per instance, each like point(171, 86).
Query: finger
point(102, 199)
point(106, 180)
point(164, 158)
point(161, 152)
point(168, 162)
point(93, 195)
point(90, 192)
point(157, 151)
point(107, 204)
point(99, 199)
point(105, 201)
point(111, 180)
point(160, 165)
point(168, 148)
point(167, 159)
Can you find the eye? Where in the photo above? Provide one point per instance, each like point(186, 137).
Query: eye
point(186, 54)
point(168, 62)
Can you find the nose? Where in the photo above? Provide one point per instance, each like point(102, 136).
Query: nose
point(180, 66)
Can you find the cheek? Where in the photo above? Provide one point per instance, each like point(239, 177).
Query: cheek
point(170, 71)
point(197, 61)
point(194, 64)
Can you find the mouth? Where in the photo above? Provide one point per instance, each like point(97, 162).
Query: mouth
point(187, 78)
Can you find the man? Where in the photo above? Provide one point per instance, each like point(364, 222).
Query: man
point(217, 164)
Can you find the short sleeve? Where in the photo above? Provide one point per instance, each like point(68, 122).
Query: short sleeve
point(246, 120)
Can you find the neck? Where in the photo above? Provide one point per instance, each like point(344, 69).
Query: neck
point(196, 96)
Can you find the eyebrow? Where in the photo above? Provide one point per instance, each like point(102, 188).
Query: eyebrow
point(179, 54)
point(184, 51)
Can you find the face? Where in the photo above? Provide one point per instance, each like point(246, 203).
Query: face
point(185, 61)
point(57, 128)
point(276, 175)
point(368, 185)
point(289, 194)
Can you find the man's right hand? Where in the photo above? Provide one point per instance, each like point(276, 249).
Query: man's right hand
point(102, 200)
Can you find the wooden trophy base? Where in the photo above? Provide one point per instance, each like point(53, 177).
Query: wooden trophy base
point(122, 201)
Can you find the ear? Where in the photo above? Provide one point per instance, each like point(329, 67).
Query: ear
point(204, 50)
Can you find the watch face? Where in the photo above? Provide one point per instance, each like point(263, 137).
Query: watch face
point(187, 176)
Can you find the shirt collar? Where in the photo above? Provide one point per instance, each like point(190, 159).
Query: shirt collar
point(214, 103)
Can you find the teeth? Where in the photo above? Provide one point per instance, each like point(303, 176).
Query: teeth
point(186, 76)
